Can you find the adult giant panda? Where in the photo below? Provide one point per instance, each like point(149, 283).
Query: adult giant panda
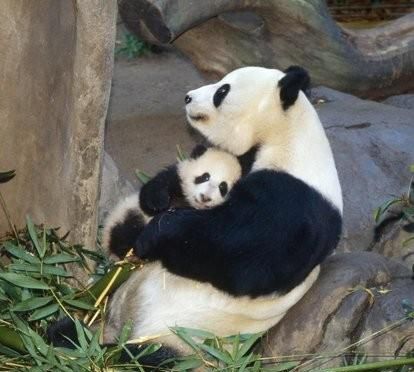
point(239, 267)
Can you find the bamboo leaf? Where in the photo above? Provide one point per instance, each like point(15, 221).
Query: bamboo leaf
point(32, 303)
point(181, 156)
point(20, 253)
point(247, 345)
point(33, 236)
point(142, 177)
point(11, 339)
point(192, 332)
point(380, 211)
point(7, 176)
point(188, 364)
point(60, 259)
point(125, 332)
point(44, 243)
point(220, 355)
point(45, 269)
point(23, 281)
point(281, 367)
point(44, 312)
point(80, 331)
point(79, 304)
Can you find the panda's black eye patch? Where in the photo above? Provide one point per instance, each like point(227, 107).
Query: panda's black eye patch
point(220, 94)
point(223, 188)
point(201, 179)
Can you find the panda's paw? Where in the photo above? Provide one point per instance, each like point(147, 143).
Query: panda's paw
point(154, 200)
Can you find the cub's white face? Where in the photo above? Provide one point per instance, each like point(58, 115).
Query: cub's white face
point(207, 180)
point(230, 112)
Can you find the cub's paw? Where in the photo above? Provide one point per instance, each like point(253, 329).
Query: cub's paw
point(153, 199)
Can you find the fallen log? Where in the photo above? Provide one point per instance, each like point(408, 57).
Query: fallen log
point(221, 35)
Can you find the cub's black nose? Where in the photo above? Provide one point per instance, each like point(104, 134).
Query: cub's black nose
point(188, 99)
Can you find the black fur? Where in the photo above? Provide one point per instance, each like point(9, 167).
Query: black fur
point(220, 94)
point(156, 195)
point(247, 159)
point(197, 151)
point(59, 332)
point(267, 236)
point(296, 79)
point(124, 234)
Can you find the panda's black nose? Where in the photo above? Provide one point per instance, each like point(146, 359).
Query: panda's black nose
point(205, 199)
point(188, 99)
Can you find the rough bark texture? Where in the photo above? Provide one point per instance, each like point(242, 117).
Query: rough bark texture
point(356, 295)
point(220, 36)
point(55, 73)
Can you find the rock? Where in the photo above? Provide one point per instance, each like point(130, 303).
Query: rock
point(356, 295)
point(114, 187)
point(373, 149)
point(403, 101)
point(395, 241)
point(56, 65)
point(146, 118)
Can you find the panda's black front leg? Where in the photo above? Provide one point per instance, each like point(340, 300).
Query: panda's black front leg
point(164, 229)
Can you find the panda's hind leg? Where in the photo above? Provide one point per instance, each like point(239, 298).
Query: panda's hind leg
point(123, 225)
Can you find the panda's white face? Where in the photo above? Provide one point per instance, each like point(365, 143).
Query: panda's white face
point(230, 112)
point(207, 180)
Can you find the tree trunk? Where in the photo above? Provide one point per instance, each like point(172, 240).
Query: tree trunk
point(220, 36)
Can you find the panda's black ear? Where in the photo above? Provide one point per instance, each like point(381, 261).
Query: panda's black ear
point(296, 79)
point(198, 151)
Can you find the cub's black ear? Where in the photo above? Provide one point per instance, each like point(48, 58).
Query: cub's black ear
point(198, 151)
point(296, 79)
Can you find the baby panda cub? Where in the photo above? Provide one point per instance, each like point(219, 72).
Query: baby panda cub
point(202, 181)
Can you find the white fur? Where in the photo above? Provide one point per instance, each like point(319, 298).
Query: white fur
point(158, 300)
point(222, 167)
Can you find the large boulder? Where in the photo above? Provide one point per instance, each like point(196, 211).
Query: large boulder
point(55, 74)
point(373, 149)
point(114, 187)
point(356, 295)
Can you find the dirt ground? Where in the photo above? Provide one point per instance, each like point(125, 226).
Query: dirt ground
point(146, 111)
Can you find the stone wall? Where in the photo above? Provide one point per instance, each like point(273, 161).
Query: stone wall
point(55, 74)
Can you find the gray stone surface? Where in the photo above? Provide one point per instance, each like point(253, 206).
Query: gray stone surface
point(396, 242)
point(403, 101)
point(114, 187)
point(356, 295)
point(373, 145)
point(55, 72)
point(146, 118)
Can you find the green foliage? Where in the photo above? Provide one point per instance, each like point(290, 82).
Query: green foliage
point(132, 47)
point(404, 204)
point(7, 176)
point(34, 291)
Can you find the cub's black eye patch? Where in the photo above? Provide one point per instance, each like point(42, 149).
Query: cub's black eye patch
point(201, 179)
point(223, 188)
point(220, 94)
